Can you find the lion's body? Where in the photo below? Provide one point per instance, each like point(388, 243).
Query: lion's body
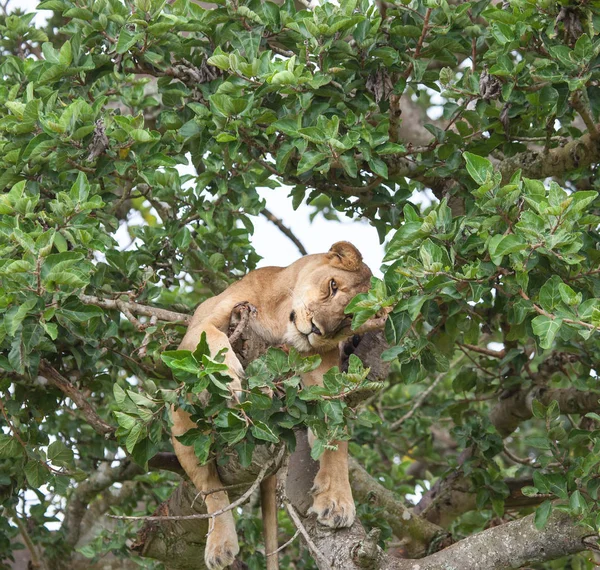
point(301, 305)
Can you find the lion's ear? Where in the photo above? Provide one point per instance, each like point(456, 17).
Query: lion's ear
point(345, 256)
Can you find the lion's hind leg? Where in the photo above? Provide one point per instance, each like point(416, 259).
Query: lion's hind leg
point(221, 542)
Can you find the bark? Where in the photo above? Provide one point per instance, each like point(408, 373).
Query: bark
point(416, 533)
point(511, 545)
point(577, 153)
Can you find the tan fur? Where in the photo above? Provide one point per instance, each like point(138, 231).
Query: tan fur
point(295, 306)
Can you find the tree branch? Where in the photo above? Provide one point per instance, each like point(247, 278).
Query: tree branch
point(511, 545)
point(416, 533)
point(136, 308)
point(284, 229)
point(87, 490)
point(578, 153)
point(71, 391)
point(515, 407)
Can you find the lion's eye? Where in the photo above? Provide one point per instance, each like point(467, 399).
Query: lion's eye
point(333, 287)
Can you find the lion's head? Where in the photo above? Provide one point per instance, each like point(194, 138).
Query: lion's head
point(325, 285)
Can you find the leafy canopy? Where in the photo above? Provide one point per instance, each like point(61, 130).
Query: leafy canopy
point(101, 108)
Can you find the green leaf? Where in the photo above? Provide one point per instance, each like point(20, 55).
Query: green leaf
point(202, 444)
point(142, 136)
point(583, 48)
point(260, 430)
point(480, 169)
point(379, 167)
point(15, 316)
point(10, 448)
point(541, 514)
point(317, 449)
point(125, 420)
point(245, 450)
point(510, 243)
point(284, 78)
point(138, 432)
point(36, 474)
point(577, 503)
point(141, 400)
point(349, 165)
point(80, 191)
point(568, 296)
point(127, 40)
point(396, 326)
point(221, 61)
point(550, 295)
point(59, 454)
point(65, 56)
point(546, 329)
point(309, 160)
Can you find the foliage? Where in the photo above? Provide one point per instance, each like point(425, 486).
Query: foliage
point(493, 281)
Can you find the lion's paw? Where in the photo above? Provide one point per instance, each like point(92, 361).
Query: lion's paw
point(334, 507)
point(220, 550)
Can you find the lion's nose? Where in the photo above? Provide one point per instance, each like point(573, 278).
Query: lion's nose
point(315, 329)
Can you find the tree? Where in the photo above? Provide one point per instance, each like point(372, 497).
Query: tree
point(486, 404)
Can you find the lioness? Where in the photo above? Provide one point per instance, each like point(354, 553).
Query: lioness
point(301, 305)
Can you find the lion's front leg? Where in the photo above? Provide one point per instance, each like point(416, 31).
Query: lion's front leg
point(332, 497)
point(221, 543)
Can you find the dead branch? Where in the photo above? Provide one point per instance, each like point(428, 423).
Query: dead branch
point(284, 229)
point(136, 309)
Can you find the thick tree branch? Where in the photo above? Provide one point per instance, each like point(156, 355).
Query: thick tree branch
point(511, 545)
point(578, 153)
point(416, 533)
point(87, 490)
point(515, 407)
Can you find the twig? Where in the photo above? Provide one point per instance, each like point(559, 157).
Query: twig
point(203, 494)
point(68, 389)
point(418, 402)
point(280, 50)
point(578, 100)
point(551, 316)
point(125, 310)
point(477, 365)
point(284, 229)
point(284, 545)
point(515, 459)
point(420, 42)
point(142, 350)
point(320, 559)
point(486, 351)
point(231, 506)
point(136, 308)
point(36, 560)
